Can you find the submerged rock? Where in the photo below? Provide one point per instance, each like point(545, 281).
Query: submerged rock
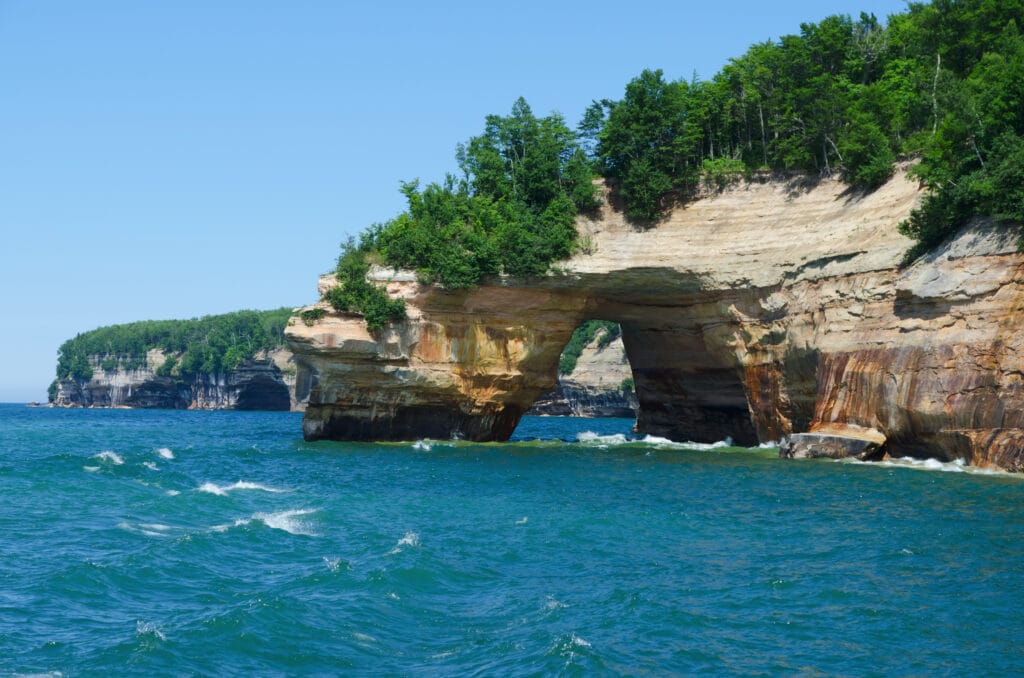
point(830, 446)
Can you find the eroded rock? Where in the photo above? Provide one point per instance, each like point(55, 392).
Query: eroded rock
point(761, 312)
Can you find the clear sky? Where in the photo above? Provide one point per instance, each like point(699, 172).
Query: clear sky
point(172, 160)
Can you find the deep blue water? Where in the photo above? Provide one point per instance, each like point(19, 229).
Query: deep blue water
point(220, 543)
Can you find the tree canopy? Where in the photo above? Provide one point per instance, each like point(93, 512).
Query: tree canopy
point(941, 82)
point(512, 210)
point(207, 345)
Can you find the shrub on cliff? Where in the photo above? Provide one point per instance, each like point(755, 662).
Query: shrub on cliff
point(354, 293)
point(581, 337)
point(512, 211)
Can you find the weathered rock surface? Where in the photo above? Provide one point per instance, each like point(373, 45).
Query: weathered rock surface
point(265, 383)
point(767, 310)
point(595, 387)
point(855, 442)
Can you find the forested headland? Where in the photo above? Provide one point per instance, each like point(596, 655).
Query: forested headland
point(941, 84)
point(208, 345)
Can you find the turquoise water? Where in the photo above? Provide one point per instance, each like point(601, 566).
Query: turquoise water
point(220, 543)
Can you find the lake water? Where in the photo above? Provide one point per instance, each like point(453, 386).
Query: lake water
point(220, 543)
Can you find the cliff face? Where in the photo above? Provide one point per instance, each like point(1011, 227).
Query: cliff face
point(769, 310)
point(595, 387)
point(265, 383)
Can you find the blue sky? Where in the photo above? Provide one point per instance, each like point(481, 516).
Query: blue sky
point(171, 160)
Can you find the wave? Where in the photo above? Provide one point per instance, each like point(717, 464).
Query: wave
point(143, 629)
point(148, 529)
point(955, 466)
point(151, 465)
point(423, 445)
point(109, 457)
point(288, 521)
point(589, 437)
point(222, 490)
point(165, 453)
point(410, 539)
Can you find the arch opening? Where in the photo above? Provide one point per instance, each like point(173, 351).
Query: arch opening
point(682, 381)
point(595, 378)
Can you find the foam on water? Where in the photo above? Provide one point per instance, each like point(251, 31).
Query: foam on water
point(604, 441)
point(613, 439)
point(143, 629)
point(522, 521)
point(289, 521)
point(148, 529)
point(222, 490)
point(109, 457)
point(333, 564)
point(151, 465)
point(165, 453)
point(423, 445)
point(91, 469)
point(410, 539)
point(955, 466)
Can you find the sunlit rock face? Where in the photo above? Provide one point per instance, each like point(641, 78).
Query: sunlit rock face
point(599, 385)
point(765, 310)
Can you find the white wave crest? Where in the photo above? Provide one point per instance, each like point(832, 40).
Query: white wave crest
point(151, 465)
point(422, 445)
point(554, 604)
point(172, 493)
point(148, 529)
point(591, 437)
point(109, 457)
point(410, 539)
point(523, 520)
point(289, 521)
point(147, 629)
point(165, 453)
point(222, 490)
point(604, 441)
point(91, 469)
point(955, 466)
point(579, 642)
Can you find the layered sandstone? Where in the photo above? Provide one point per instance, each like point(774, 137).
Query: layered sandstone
point(599, 386)
point(769, 309)
point(267, 382)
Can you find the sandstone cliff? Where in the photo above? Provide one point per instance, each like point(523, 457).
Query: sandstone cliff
point(768, 310)
point(266, 382)
point(595, 387)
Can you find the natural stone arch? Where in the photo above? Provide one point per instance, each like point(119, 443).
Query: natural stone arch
point(756, 313)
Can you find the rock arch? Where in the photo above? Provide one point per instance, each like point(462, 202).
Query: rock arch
point(756, 313)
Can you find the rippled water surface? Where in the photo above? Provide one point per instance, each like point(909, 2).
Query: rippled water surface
point(220, 543)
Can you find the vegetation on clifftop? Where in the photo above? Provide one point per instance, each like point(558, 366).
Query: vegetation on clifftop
point(942, 82)
point(582, 336)
point(512, 211)
point(207, 345)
